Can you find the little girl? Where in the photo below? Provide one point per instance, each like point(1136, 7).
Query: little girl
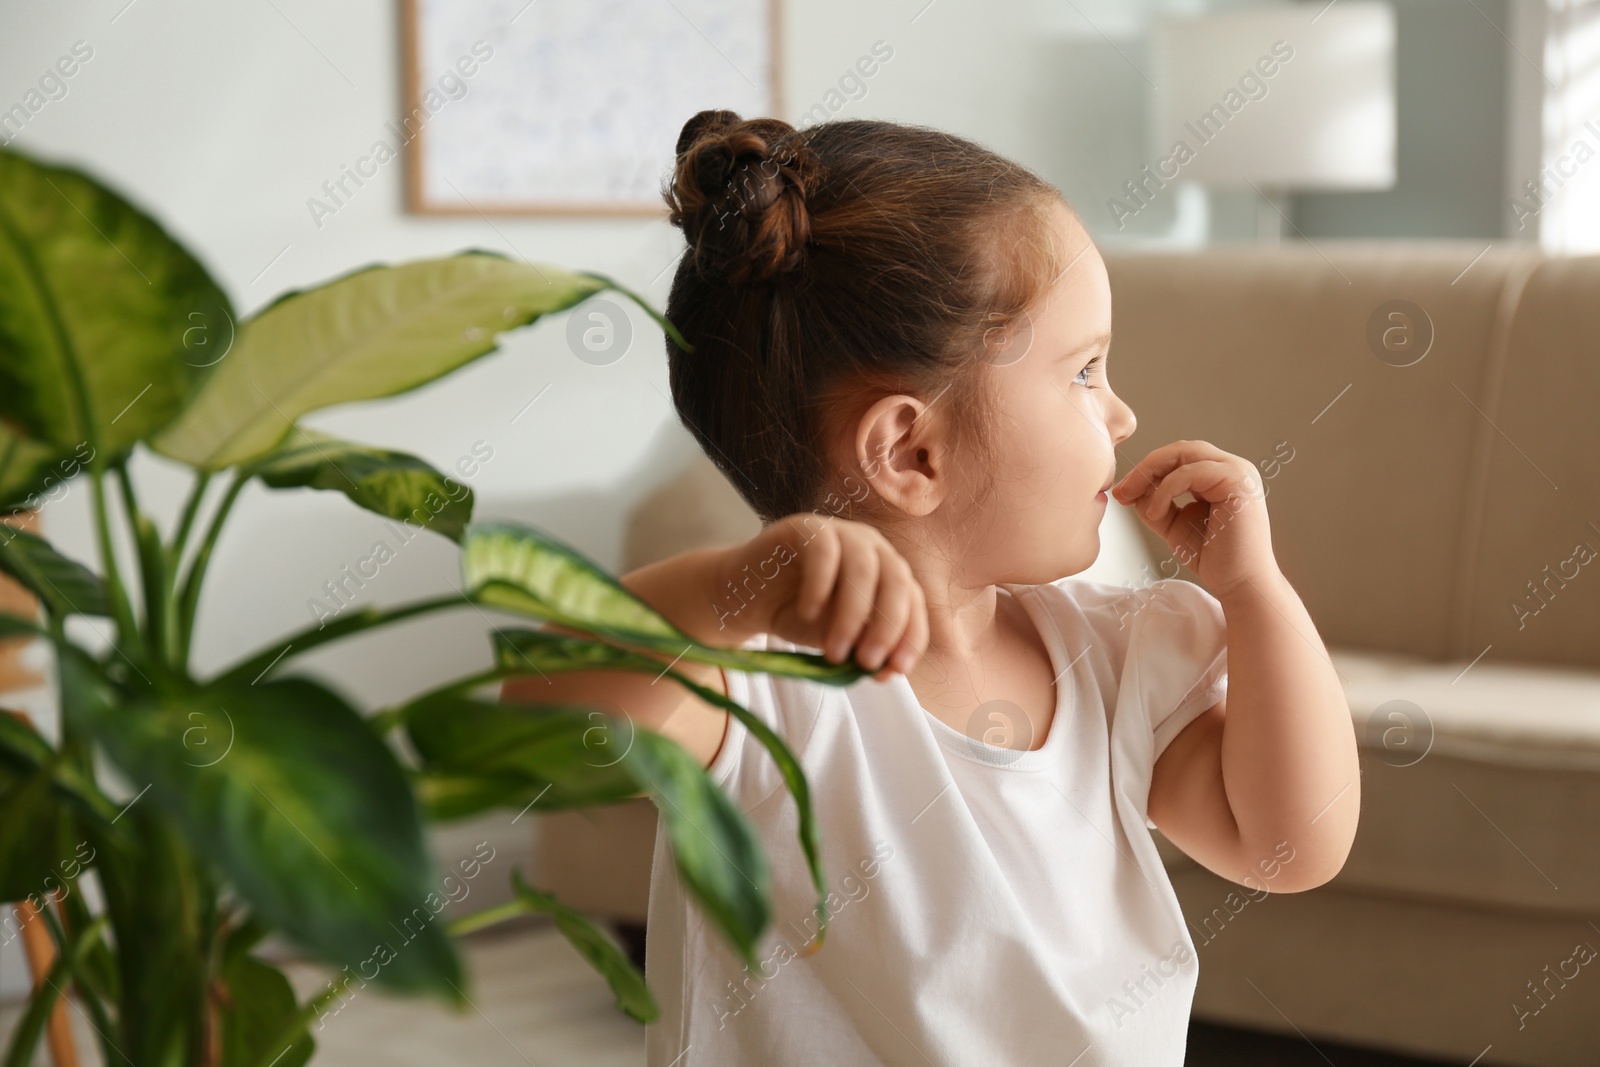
point(900, 361)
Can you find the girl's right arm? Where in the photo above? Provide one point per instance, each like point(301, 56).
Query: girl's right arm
point(837, 585)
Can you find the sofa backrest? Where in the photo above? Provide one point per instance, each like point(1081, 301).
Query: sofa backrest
point(1411, 499)
point(1531, 576)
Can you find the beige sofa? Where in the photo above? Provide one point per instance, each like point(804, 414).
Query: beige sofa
point(1434, 487)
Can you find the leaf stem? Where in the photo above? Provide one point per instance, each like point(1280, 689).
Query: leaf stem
point(461, 686)
point(152, 564)
point(32, 1024)
point(661, 320)
point(248, 670)
point(174, 558)
point(122, 611)
point(190, 508)
point(479, 920)
point(189, 599)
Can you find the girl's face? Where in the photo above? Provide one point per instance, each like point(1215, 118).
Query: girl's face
point(1058, 426)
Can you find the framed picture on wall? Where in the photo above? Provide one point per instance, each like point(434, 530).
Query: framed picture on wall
point(569, 107)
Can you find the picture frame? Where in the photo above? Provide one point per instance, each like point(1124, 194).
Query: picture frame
point(513, 107)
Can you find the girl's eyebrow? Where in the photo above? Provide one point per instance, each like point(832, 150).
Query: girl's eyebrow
point(1093, 342)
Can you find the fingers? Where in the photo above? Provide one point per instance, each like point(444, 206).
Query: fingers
point(890, 613)
point(819, 572)
point(852, 600)
point(914, 642)
point(1146, 474)
point(861, 594)
point(1197, 477)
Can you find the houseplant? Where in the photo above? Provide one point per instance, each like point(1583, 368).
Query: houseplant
point(215, 811)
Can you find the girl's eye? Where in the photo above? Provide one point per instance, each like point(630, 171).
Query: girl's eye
point(1087, 367)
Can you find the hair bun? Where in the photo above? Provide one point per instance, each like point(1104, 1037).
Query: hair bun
point(738, 193)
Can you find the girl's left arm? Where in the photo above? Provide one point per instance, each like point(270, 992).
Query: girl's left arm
point(1264, 788)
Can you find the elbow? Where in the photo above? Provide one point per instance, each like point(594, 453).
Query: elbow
point(1297, 868)
point(1307, 879)
point(1308, 855)
point(1317, 870)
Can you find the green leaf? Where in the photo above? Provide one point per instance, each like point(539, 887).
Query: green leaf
point(31, 1026)
point(21, 746)
point(373, 332)
point(30, 834)
point(527, 651)
point(393, 484)
point(603, 954)
point(33, 473)
point(98, 975)
point(448, 797)
point(259, 1004)
point(64, 586)
point(560, 752)
point(242, 934)
point(717, 852)
point(15, 626)
point(525, 570)
point(285, 788)
point(23, 751)
point(107, 324)
point(570, 757)
point(154, 887)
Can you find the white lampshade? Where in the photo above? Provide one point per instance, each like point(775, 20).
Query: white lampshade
point(1287, 95)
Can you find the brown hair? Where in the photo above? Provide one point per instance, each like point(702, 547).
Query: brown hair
point(856, 259)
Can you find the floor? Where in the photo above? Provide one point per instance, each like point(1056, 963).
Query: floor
point(1224, 1046)
point(534, 1001)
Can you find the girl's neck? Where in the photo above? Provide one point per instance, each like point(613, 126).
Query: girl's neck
point(963, 610)
point(962, 621)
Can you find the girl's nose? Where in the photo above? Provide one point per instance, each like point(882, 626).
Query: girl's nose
point(1123, 422)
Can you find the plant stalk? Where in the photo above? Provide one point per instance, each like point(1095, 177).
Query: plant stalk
point(500, 913)
point(174, 560)
point(249, 670)
point(152, 564)
point(660, 319)
point(189, 599)
point(191, 507)
point(127, 631)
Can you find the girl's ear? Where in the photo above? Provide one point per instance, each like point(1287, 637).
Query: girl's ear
point(898, 453)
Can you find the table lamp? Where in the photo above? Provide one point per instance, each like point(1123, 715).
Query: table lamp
point(1274, 98)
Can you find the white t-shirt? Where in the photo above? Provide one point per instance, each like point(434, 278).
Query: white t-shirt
point(987, 905)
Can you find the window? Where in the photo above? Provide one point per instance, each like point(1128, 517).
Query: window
point(1568, 187)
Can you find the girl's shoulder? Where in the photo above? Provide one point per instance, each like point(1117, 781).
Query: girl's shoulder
point(1111, 608)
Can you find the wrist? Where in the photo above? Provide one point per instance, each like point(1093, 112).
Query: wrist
point(1268, 583)
point(733, 599)
point(690, 590)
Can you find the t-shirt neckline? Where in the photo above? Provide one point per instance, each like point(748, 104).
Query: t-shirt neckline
point(970, 748)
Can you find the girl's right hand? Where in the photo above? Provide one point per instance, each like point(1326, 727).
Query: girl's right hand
point(839, 585)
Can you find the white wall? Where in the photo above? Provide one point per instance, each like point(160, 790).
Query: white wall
point(224, 119)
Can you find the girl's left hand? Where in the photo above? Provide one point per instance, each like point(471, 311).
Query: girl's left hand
point(1223, 536)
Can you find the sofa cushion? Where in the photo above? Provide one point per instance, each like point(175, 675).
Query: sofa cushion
point(1449, 983)
point(1474, 780)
